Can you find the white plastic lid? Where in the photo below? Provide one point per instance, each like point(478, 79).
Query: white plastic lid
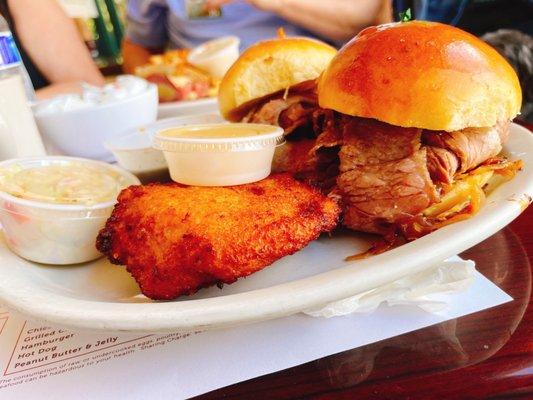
point(218, 138)
point(141, 137)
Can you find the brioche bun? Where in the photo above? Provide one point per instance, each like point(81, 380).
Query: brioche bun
point(421, 74)
point(270, 66)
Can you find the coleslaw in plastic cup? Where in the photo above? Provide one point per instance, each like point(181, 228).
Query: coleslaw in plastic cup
point(51, 209)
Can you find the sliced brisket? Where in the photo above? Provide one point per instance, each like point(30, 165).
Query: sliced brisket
point(383, 175)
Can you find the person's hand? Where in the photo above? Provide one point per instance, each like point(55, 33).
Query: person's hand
point(265, 5)
point(336, 20)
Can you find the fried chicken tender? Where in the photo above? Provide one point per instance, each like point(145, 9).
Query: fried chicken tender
point(176, 239)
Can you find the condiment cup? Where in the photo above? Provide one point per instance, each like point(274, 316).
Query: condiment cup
point(216, 56)
point(52, 233)
point(134, 151)
point(82, 132)
point(219, 154)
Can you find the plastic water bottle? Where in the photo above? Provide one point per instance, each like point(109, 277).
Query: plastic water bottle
point(10, 60)
point(19, 136)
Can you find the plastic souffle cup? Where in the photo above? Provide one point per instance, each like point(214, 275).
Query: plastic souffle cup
point(82, 132)
point(52, 233)
point(134, 151)
point(216, 56)
point(219, 154)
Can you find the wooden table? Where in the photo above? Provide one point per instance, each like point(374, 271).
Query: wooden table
point(488, 354)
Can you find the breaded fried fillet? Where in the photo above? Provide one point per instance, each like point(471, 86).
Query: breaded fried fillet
point(176, 239)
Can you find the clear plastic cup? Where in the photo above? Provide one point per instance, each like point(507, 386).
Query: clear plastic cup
point(219, 154)
point(216, 56)
point(51, 233)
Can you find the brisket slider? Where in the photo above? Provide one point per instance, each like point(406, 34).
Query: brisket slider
point(417, 113)
point(274, 82)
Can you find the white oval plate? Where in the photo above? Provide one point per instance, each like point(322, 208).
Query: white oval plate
point(101, 296)
point(187, 107)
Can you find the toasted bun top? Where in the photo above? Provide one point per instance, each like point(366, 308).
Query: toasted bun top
point(421, 74)
point(270, 66)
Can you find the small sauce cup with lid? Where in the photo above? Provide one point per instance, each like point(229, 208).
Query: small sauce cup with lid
point(219, 154)
point(52, 208)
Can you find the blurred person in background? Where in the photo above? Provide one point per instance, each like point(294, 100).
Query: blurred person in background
point(445, 11)
point(507, 25)
point(475, 16)
point(517, 48)
point(52, 50)
point(154, 25)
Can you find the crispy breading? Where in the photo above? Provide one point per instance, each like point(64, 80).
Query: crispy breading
point(176, 239)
